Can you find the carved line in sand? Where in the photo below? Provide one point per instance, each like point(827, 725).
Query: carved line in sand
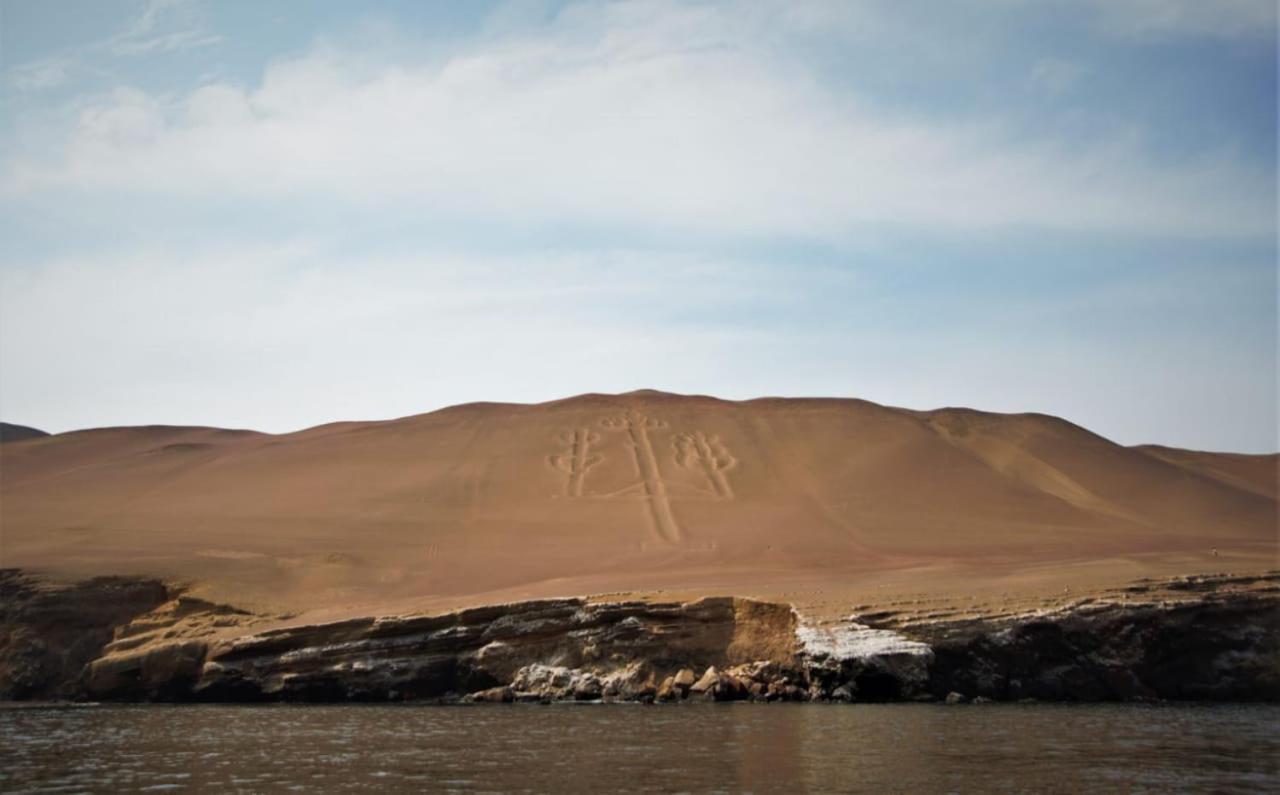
point(637, 427)
point(577, 459)
point(694, 451)
point(709, 454)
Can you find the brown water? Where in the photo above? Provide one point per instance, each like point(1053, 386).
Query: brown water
point(597, 748)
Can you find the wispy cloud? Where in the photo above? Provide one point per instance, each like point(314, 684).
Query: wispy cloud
point(651, 114)
point(40, 74)
point(161, 26)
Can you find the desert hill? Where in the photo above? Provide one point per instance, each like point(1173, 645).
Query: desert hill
point(10, 432)
point(820, 501)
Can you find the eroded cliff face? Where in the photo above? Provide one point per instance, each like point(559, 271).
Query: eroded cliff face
point(631, 644)
point(49, 632)
point(1197, 638)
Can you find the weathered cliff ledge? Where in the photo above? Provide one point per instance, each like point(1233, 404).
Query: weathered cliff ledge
point(1214, 637)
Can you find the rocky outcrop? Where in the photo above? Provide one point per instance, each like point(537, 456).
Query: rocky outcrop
point(49, 632)
point(1225, 649)
point(1191, 638)
point(565, 648)
point(854, 662)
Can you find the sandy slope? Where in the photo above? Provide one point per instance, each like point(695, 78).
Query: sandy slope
point(819, 501)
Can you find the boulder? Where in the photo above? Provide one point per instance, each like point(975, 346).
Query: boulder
point(630, 682)
point(667, 691)
point(587, 688)
point(955, 698)
point(708, 682)
point(494, 695)
point(549, 680)
point(684, 678)
point(758, 671)
point(731, 688)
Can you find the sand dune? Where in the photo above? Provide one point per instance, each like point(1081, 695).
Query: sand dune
point(809, 499)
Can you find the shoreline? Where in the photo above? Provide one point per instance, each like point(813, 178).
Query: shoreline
point(1197, 638)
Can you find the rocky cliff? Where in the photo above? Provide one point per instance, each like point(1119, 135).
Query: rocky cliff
point(568, 646)
point(48, 633)
point(137, 640)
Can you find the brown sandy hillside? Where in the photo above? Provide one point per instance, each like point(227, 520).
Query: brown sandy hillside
point(634, 492)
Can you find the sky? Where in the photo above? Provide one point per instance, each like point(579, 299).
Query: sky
point(275, 215)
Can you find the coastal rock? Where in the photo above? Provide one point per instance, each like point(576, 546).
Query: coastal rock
point(1223, 647)
point(50, 631)
point(494, 695)
point(149, 674)
point(554, 649)
point(870, 664)
point(710, 679)
point(667, 691)
point(1216, 639)
point(587, 687)
point(549, 680)
point(633, 681)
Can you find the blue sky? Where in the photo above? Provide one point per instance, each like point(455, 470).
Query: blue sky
point(273, 215)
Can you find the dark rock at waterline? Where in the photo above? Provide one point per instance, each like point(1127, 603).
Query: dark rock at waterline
point(49, 632)
point(1222, 650)
point(128, 639)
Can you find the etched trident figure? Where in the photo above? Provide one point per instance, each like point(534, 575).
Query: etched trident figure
point(698, 450)
point(577, 460)
point(637, 427)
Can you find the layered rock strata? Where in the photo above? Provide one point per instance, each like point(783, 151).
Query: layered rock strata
point(1215, 637)
point(563, 648)
point(49, 633)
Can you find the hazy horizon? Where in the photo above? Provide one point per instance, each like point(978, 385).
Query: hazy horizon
point(279, 216)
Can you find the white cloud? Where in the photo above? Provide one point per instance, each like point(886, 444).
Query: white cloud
point(647, 114)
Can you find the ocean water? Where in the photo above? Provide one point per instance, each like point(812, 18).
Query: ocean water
point(787, 748)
